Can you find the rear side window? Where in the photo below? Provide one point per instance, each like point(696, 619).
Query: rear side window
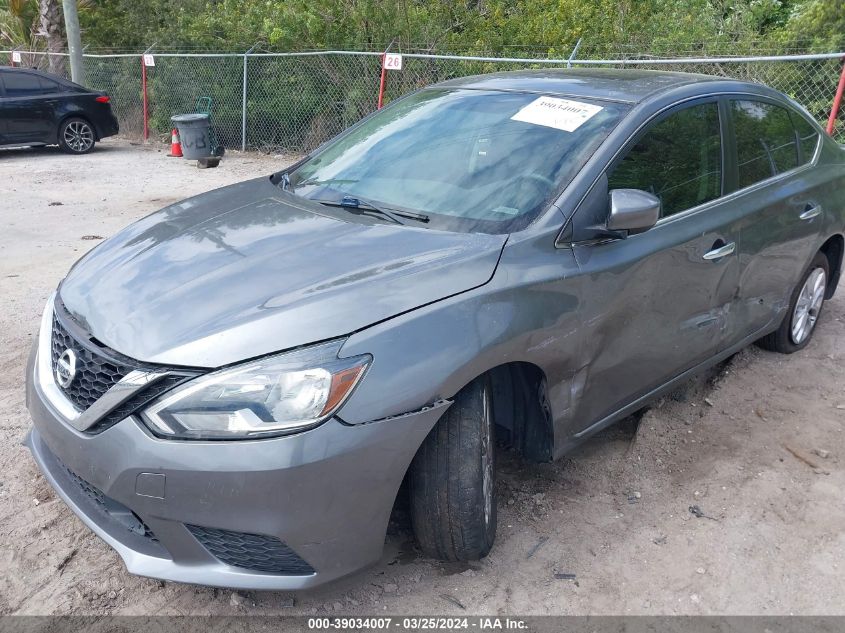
point(48, 86)
point(678, 159)
point(766, 143)
point(808, 137)
point(21, 84)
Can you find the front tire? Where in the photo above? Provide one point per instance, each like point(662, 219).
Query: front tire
point(805, 308)
point(452, 480)
point(76, 136)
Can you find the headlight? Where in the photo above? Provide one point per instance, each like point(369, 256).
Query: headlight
point(271, 396)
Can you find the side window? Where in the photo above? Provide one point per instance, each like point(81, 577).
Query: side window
point(48, 86)
point(765, 141)
point(678, 159)
point(21, 84)
point(808, 137)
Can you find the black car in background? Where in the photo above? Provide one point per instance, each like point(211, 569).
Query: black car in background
point(37, 108)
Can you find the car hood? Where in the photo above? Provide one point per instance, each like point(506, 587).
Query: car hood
point(249, 270)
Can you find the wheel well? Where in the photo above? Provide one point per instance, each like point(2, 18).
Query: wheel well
point(521, 410)
point(833, 249)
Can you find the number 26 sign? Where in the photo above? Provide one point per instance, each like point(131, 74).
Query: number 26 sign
point(392, 61)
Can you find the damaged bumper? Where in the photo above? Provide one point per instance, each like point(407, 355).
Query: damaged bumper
point(283, 513)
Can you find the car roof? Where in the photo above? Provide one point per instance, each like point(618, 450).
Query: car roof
point(34, 71)
point(625, 85)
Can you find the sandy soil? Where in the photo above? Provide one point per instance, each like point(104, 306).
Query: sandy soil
point(616, 514)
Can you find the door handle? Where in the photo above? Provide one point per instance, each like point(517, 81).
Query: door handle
point(811, 212)
point(719, 253)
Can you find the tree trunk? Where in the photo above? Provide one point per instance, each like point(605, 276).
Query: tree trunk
point(52, 29)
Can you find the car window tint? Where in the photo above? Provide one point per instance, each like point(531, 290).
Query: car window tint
point(765, 141)
point(21, 84)
point(48, 86)
point(808, 137)
point(678, 159)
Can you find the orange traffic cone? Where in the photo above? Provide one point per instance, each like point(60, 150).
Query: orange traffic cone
point(175, 144)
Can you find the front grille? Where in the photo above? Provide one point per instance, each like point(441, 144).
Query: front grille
point(95, 374)
point(115, 510)
point(256, 552)
point(139, 400)
point(99, 368)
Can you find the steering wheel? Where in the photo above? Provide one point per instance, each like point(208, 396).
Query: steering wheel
point(520, 196)
point(538, 180)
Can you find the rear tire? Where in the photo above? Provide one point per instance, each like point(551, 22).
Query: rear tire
point(805, 308)
point(452, 480)
point(76, 136)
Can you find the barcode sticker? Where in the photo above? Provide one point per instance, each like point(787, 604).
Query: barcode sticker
point(561, 114)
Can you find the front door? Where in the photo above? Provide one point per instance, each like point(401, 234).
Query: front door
point(660, 302)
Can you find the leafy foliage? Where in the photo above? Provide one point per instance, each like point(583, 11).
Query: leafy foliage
point(549, 27)
point(545, 27)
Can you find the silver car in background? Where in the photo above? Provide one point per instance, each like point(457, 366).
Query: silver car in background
point(232, 390)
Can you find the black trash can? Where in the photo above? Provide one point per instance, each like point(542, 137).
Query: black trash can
point(195, 135)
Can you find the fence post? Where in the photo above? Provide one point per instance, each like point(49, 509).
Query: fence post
point(837, 101)
point(243, 103)
point(144, 94)
point(574, 53)
point(383, 75)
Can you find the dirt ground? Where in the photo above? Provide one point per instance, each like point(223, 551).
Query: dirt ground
point(616, 513)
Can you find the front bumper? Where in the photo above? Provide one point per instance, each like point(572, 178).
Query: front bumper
point(325, 494)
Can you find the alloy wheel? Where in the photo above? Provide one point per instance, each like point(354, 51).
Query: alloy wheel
point(807, 307)
point(78, 136)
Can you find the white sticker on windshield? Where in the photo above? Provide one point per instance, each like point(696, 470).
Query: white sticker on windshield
point(562, 114)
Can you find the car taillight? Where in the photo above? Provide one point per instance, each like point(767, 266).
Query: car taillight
point(102, 99)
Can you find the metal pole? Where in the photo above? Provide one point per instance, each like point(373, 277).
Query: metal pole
point(837, 101)
point(74, 41)
point(383, 75)
point(144, 94)
point(243, 104)
point(144, 98)
point(574, 53)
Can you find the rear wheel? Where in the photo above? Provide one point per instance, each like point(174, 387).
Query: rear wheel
point(805, 307)
point(76, 136)
point(452, 480)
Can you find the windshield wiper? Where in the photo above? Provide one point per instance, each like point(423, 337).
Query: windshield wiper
point(353, 203)
point(327, 181)
point(362, 206)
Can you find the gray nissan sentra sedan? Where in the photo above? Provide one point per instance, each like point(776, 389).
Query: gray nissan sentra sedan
point(231, 391)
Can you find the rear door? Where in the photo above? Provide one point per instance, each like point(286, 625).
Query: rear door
point(29, 116)
point(661, 302)
point(780, 201)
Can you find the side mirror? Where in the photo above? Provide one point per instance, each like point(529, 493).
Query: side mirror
point(632, 210)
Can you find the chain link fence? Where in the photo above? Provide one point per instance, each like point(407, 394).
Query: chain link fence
point(279, 102)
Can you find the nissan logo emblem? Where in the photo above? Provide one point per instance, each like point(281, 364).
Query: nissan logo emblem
point(66, 368)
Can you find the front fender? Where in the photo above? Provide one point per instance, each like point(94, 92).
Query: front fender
point(528, 313)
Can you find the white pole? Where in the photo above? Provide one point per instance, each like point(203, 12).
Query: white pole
point(74, 41)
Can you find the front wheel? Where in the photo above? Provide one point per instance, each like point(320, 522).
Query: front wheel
point(452, 480)
point(76, 136)
point(805, 307)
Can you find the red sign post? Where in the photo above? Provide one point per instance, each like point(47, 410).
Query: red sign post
point(389, 61)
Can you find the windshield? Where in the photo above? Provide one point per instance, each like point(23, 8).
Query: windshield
point(467, 160)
